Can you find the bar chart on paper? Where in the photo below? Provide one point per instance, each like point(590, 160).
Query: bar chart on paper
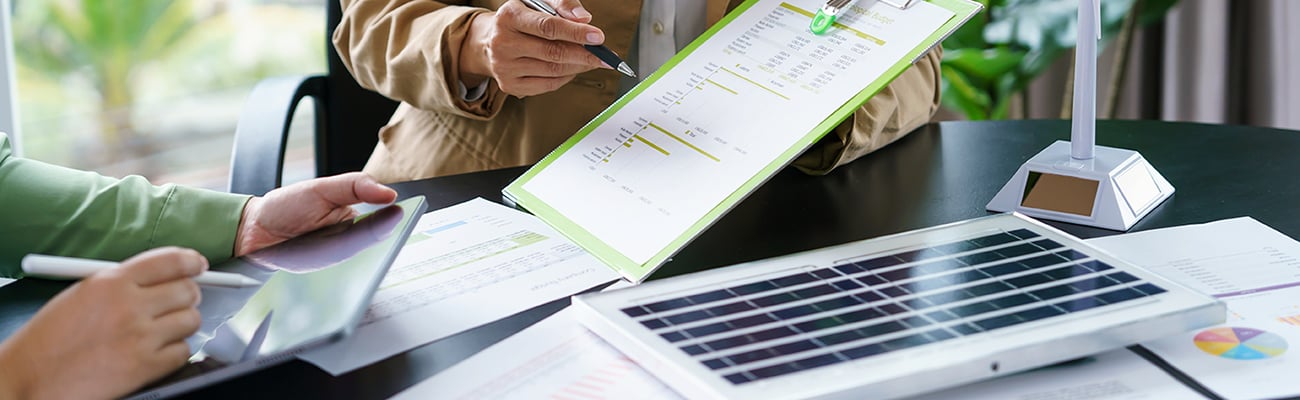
point(681, 143)
point(415, 281)
point(1289, 314)
point(475, 255)
point(653, 152)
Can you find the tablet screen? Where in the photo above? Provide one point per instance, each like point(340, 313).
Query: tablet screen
point(316, 287)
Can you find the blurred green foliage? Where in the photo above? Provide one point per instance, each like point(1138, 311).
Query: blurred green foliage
point(1001, 50)
point(108, 40)
point(111, 83)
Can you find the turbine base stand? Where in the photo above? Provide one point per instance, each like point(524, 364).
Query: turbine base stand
point(1113, 190)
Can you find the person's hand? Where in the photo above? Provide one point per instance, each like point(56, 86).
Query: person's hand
point(529, 52)
point(108, 334)
point(303, 207)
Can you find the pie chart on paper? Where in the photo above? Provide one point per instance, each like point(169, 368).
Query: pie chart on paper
point(1240, 343)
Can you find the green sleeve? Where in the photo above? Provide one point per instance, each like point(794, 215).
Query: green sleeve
point(48, 209)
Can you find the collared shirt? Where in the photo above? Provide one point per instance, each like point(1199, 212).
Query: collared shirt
point(666, 26)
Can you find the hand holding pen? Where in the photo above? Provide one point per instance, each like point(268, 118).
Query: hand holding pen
point(69, 268)
point(530, 52)
point(603, 53)
point(115, 330)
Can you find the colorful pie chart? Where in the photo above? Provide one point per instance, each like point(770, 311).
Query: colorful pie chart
point(1240, 343)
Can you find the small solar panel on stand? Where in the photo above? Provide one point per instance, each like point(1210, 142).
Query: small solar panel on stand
point(1077, 181)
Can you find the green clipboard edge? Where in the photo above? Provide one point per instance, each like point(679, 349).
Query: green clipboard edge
point(637, 273)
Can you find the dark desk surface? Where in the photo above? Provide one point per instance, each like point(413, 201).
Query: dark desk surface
point(941, 173)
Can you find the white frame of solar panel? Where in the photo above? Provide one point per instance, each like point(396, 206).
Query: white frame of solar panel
point(909, 371)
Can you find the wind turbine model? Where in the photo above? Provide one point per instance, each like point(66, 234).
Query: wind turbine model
point(1077, 181)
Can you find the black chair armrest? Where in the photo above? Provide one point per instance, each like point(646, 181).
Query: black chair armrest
point(262, 133)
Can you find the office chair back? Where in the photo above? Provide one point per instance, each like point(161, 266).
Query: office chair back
point(348, 118)
point(353, 115)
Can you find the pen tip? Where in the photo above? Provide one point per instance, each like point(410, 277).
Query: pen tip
point(626, 70)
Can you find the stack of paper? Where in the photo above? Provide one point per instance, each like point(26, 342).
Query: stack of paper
point(1256, 271)
point(464, 266)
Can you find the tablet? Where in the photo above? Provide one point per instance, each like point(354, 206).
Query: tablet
point(316, 290)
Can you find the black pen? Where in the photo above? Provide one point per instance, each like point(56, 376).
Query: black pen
point(601, 52)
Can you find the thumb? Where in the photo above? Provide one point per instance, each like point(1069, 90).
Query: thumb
point(352, 188)
point(163, 265)
point(571, 10)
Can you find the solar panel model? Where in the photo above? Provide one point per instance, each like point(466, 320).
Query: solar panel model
point(893, 316)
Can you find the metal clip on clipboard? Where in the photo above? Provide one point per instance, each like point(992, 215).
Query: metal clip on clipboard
point(900, 4)
point(826, 15)
point(825, 18)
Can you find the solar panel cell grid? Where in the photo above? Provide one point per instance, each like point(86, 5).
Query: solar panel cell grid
point(1149, 289)
point(1048, 244)
point(875, 263)
point(1024, 281)
point(750, 321)
point(1024, 233)
point(706, 330)
point(887, 303)
point(846, 285)
point(710, 296)
point(793, 280)
point(1017, 250)
point(753, 288)
point(729, 308)
point(654, 323)
point(993, 240)
point(1123, 277)
point(1097, 266)
point(870, 280)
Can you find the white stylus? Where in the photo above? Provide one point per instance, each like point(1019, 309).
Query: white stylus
point(55, 267)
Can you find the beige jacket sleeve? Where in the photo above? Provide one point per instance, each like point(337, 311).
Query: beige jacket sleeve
point(906, 104)
point(409, 50)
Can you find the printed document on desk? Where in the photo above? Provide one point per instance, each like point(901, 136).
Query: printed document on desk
point(1256, 271)
point(464, 266)
point(553, 359)
point(662, 163)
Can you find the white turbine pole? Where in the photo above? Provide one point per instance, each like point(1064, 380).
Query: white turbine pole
point(1083, 128)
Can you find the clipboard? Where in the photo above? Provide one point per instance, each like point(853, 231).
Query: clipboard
point(584, 202)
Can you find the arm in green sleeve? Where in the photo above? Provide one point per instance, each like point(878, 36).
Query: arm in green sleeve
point(49, 209)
